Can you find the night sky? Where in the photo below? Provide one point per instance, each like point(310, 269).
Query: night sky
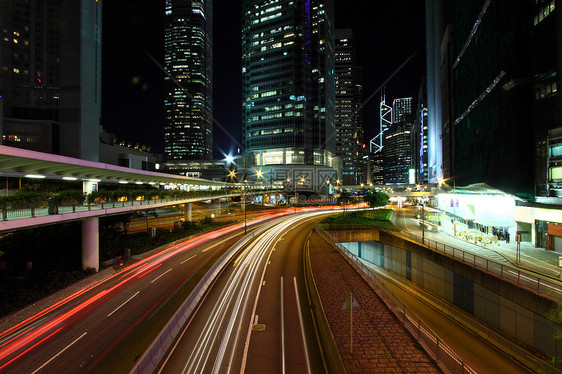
point(132, 103)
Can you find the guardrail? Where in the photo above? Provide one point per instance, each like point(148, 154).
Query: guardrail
point(13, 214)
point(154, 355)
point(435, 347)
point(522, 278)
point(331, 357)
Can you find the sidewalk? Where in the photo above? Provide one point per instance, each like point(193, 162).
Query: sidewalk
point(535, 259)
point(380, 343)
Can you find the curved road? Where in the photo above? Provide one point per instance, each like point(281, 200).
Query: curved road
point(256, 318)
point(107, 326)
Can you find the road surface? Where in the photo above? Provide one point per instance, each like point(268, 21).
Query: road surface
point(255, 319)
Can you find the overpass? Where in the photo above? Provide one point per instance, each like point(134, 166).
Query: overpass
point(398, 190)
point(20, 163)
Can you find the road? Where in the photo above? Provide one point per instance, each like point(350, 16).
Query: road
point(107, 326)
point(255, 318)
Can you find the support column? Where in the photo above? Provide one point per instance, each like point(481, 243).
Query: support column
point(90, 244)
point(187, 212)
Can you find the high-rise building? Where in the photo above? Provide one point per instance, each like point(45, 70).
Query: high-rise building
point(418, 137)
point(188, 60)
point(349, 118)
point(50, 77)
point(437, 15)
point(401, 109)
point(492, 113)
point(479, 74)
point(547, 102)
point(396, 150)
point(288, 92)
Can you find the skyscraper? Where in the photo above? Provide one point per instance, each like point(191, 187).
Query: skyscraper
point(349, 119)
point(396, 151)
point(188, 60)
point(50, 77)
point(420, 136)
point(288, 91)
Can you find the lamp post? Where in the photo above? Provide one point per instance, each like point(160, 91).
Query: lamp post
point(422, 223)
point(244, 200)
point(289, 181)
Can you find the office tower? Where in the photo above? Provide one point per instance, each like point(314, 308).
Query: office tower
point(479, 78)
point(50, 76)
point(491, 98)
point(419, 137)
point(396, 151)
point(401, 108)
point(349, 119)
point(188, 100)
point(288, 92)
point(547, 102)
point(436, 18)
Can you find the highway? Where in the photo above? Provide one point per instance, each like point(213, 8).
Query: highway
point(478, 352)
point(255, 318)
point(107, 326)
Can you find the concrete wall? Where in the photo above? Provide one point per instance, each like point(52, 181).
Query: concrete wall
point(513, 310)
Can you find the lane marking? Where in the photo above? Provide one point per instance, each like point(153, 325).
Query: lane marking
point(161, 275)
point(256, 320)
point(282, 332)
point(184, 261)
point(263, 284)
point(58, 354)
point(302, 326)
point(129, 299)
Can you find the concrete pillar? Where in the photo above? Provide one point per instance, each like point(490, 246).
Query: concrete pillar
point(187, 212)
point(90, 244)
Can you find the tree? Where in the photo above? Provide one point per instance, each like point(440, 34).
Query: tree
point(147, 213)
point(344, 199)
point(376, 198)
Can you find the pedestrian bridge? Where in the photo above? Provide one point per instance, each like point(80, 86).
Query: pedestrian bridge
point(20, 164)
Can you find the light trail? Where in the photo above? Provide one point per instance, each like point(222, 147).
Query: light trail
point(44, 325)
point(230, 309)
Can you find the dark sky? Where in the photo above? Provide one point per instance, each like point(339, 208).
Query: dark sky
point(132, 105)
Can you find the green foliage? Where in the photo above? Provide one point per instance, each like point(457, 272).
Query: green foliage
point(69, 197)
point(344, 198)
point(26, 199)
point(370, 219)
point(375, 198)
point(207, 220)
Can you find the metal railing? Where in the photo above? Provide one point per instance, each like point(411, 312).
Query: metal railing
point(522, 278)
point(13, 214)
point(435, 346)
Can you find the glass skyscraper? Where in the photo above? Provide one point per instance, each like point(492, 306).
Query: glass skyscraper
point(289, 91)
point(349, 119)
point(396, 151)
point(50, 76)
point(188, 60)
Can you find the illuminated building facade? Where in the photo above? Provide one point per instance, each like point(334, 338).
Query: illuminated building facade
point(396, 151)
point(188, 60)
point(479, 87)
point(50, 76)
point(349, 117)
point(288, 91)
point(418, 137)
point(490, 99)
point(547, 102)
